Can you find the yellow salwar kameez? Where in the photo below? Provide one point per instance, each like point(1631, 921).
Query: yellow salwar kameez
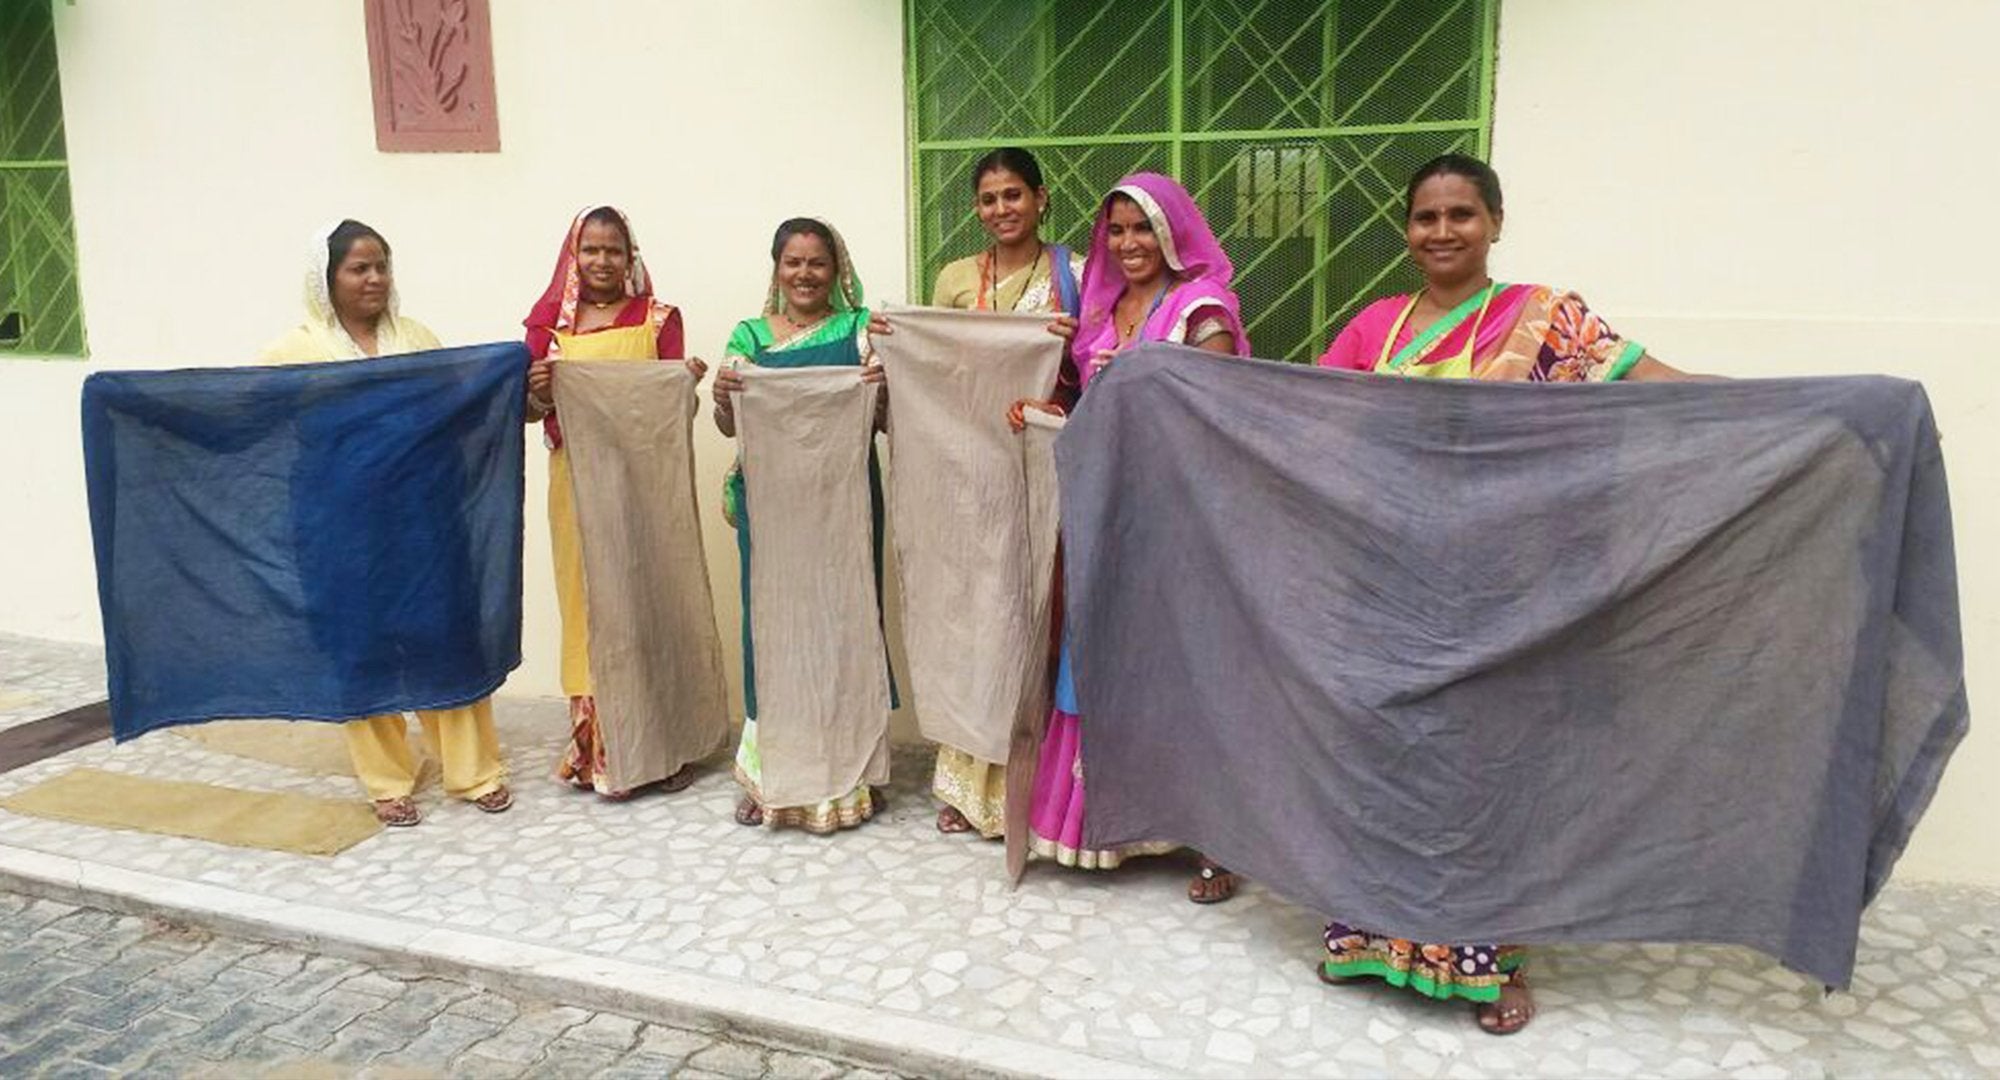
point(462, 739)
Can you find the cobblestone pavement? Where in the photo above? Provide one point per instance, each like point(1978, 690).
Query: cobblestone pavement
point(89, 993)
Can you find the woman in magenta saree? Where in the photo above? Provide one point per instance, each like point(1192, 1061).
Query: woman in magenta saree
point(1155, 272)
point(1464, 325)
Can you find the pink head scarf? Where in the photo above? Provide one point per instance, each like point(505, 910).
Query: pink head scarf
point(1200, 267)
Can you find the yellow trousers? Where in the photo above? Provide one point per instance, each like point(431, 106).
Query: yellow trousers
point(462, 740)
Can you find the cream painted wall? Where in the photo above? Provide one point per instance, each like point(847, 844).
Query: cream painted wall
point(208, 137)
point(1786, 187)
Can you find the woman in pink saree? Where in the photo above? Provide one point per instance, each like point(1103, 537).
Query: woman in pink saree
point(1155, 272)
point(1464, 325)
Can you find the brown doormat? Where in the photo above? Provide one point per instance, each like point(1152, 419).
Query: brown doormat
point(272, 821)
point(38, 740)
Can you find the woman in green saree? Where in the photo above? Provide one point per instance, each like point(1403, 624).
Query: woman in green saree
point(812, 317)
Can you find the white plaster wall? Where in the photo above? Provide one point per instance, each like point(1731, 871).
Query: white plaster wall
point(208, 137)
point(1786, 187)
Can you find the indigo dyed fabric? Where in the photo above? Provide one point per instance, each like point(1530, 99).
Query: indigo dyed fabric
point(1516, 662)
point(322, 543)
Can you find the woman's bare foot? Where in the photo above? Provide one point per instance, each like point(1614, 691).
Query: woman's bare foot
point(748, 812)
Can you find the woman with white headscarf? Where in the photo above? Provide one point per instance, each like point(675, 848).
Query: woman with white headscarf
point(350, 301)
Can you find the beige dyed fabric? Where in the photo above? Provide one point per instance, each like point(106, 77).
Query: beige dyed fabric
point(270, 820)
point(312, 748)
point(1035, 453)
point(822, 673)
point(955, 497)
point(655, 656)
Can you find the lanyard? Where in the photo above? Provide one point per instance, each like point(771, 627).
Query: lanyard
point(1143, 319)
point(1401, 362)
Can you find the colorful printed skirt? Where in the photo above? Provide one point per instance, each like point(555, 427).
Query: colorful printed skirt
point(1056, 814)
point(582, 764)
point(833, 815)
point(1467, 972)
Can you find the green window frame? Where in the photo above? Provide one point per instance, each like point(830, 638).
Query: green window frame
point(1294, 123)
point(41, 305)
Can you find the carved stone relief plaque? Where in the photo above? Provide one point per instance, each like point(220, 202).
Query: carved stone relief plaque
point(431, 62)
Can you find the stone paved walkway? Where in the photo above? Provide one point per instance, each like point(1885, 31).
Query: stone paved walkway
point(908, 925)
point(88, 993)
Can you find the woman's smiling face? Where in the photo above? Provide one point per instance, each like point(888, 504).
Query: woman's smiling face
point(1133, 242)
point(1009, 208)
point(1450, 229)
point(805, 274)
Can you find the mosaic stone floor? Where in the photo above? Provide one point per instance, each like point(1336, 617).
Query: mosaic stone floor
point(895, 917)
point(42, 678)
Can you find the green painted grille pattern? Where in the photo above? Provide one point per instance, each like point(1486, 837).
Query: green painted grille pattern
point(37, 226)
point(1293, 122)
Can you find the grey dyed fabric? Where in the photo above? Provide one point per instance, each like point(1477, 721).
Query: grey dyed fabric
point(957, 495)
point(655, 655)
point(822, 674)
point(1517, 662)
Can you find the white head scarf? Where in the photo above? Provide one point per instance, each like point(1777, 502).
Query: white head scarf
point(322, 322)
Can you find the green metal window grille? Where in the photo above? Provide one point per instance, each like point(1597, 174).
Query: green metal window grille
point(1294, 124)
point(41, 309)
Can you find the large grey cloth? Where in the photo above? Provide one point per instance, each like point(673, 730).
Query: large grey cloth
point(956, 498)
point(655, 655)
point(1517, 662)
point(822, 672)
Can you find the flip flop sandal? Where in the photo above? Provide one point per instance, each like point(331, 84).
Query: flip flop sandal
point(397, 813)
point(1507, 1019)
point(495, 801)
point(681, 780)
point(1337, 980)
point(1212, 873)
point(951, 820)
point(748, 812)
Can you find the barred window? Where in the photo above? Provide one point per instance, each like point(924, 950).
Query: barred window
point(1294, 123)
point(41, 309)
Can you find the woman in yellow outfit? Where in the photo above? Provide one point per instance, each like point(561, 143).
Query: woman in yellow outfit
point(350, 300)
point(599, 306)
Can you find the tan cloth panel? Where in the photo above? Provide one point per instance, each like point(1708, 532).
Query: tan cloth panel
point(655, 655)
point(822, 673)
point(1041, 511)
point(270, 820)
point(955, 496)
point(307, 747)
